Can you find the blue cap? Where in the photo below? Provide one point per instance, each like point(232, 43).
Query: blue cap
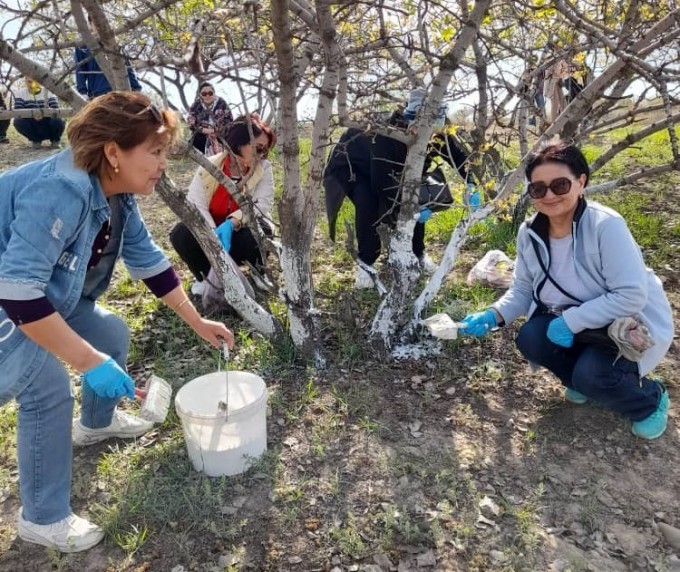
point(415, 102)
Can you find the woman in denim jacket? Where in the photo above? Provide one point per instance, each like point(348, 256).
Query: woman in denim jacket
point(578, 269)
point(64, 221)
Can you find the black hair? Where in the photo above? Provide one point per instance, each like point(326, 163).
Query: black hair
point(238, 135)
point(568, 155)
point(205, 84)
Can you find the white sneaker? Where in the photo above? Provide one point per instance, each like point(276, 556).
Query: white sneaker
point(197, 288)
point(427, 265)
point(123, 425)
point(70, 534)
point(363, 280)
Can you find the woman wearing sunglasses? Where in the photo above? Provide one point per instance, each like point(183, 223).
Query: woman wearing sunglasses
point(248, 161)
point(208, 117)
point(578, 269)
point(64, 222)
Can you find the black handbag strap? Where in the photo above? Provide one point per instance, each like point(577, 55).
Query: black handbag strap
point(537, 300)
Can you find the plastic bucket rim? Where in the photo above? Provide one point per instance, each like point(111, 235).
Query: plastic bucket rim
point(219, 415)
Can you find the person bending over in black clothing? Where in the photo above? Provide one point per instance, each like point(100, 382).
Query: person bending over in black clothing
point(367, 169)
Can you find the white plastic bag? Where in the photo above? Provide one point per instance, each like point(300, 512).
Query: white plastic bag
point(494, 269)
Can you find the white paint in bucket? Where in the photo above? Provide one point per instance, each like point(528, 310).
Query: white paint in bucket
point(218, 444)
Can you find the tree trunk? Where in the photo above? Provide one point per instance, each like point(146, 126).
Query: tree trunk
point(297, 213)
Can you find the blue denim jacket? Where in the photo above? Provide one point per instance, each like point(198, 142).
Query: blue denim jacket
point(50, 214)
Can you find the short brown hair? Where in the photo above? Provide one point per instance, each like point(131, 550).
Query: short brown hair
point(125, 117)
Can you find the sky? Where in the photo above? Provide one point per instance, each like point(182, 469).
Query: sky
point(229, 90)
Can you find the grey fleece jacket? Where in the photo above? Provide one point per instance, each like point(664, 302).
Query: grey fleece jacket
point(610, 265)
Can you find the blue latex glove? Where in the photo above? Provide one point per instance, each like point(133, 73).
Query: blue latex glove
point(424, 216)
point(473, 199)
point(109, 380)
point(559, 333)
point(479, 323)
point(224, 232)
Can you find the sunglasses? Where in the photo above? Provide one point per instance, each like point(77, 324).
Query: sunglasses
point(559, 186)
point(207, 93)
point(261, 149)
point(155, 112)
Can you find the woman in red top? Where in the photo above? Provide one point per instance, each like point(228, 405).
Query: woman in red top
point(217, 206)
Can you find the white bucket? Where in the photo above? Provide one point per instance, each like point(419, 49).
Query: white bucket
point(218, 444)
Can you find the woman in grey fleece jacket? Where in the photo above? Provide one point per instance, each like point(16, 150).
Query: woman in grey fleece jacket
point(578, 268)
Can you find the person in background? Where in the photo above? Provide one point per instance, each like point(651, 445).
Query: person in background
point(555, 102)
point(53, 269)
point(4, 123)
point(208, 118)
point(367, 170)
point(218, 207)
point(90, 79)
point(578, 77)
point(33, 96)
point(578, 269)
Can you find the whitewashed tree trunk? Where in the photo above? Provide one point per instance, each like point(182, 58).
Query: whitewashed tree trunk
point(299, 204)
point(392, 314)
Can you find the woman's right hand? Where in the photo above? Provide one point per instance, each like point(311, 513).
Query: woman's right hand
point(479, 323)
point(224, 232)
point(109, 380)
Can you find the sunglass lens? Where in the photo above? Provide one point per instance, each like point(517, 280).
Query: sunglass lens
point(561, 186)
point(206, 93)
point(537, 190)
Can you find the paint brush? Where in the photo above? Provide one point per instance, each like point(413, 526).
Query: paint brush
point(156, 397)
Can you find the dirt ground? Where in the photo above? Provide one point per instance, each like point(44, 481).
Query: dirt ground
point(467, 462)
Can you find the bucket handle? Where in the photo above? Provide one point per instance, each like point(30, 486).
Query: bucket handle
point(224, 405)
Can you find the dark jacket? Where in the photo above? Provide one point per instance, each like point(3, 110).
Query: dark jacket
point(218, 116)
point(379, 161)
point(90, 79)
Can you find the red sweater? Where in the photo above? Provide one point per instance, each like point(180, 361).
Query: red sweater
point(222, 204)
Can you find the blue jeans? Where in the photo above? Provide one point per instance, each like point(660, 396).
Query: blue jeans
point(592, 370)
point(44, 447)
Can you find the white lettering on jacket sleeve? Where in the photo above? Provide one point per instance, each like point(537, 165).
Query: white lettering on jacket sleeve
point(68, 261)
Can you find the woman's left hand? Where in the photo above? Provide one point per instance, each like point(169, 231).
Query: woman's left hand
point(214, 333)
point(559, 333)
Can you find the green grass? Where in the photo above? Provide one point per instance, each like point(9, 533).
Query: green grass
point(154, 488)
point(146, 494)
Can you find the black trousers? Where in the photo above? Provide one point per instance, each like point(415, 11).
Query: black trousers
point(39, 130)
point(243, 248)
point(4, 125)
point(199, 141)
point(369, 209)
